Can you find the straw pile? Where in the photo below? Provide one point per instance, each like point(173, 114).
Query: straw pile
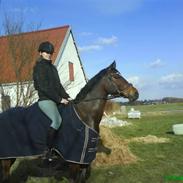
point(120, 154)
point(148, 139)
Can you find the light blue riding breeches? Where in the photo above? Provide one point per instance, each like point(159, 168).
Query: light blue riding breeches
point(50, 109)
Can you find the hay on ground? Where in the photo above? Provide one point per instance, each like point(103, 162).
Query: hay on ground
point(120, 154)
point(148, 139)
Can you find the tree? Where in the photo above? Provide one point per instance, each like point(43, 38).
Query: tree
point(21, 52)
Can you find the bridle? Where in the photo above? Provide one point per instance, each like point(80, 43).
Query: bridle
point(126, 89)
point(119, 93)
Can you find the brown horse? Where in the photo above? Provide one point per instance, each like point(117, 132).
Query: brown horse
point(89, 104)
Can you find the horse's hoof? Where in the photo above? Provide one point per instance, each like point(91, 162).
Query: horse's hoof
point(103, 149)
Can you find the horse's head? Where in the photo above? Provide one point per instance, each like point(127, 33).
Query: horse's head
point(116, 85)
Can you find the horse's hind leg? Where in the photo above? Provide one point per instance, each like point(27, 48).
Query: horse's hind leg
point(5, 168)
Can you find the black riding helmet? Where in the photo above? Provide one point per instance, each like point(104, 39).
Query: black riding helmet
point(46, 47)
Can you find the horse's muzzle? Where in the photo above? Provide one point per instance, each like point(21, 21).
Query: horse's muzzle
point(134, 97)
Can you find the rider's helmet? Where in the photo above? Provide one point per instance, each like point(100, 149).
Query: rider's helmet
point(46, 47)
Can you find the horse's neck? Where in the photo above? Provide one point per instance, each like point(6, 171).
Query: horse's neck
point(92, 108)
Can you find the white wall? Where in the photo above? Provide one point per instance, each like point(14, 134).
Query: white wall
point(70, 55)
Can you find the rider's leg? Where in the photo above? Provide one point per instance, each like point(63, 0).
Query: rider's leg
point(50, 109)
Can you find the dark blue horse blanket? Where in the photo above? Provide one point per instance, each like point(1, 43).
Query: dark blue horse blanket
point(23, 133)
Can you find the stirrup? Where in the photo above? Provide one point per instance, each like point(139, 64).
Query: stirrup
point(48, 155)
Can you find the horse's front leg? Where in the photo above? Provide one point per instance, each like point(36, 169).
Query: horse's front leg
point(85, 173)
point(74, 171)
point(5, 168)
point(101, 147)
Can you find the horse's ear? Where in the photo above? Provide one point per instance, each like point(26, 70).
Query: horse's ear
point(113, 65)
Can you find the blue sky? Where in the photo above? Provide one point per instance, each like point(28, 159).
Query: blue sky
point(145, 37)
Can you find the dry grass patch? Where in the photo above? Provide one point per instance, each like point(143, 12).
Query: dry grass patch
point(120, 154)
point(148, 139)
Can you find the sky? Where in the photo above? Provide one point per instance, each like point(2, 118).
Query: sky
point(144, 37)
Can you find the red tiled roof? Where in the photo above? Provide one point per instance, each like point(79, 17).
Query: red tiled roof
point(7, 71)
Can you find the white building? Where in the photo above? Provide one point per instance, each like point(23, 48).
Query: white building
point(66, 58)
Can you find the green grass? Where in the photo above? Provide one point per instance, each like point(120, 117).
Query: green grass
point(154, 125)
point(158, 107)
point(158, 162)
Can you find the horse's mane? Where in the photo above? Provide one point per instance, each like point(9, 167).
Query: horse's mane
point(88, 87)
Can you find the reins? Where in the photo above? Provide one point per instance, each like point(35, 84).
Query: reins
point(97, 98)
point(126, 89)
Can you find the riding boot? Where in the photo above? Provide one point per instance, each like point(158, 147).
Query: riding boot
point(50, 140)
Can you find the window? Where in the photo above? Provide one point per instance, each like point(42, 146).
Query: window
point(71, 71)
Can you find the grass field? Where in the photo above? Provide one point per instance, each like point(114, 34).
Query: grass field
point(157, 162)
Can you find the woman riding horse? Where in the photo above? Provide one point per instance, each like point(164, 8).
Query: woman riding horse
point(89, 105)
point(50, 91)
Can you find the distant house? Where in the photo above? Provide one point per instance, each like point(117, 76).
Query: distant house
point(16, 64)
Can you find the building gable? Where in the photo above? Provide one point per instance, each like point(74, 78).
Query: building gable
point(9, 61)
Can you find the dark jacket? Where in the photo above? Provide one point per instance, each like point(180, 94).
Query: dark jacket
point(47, 82)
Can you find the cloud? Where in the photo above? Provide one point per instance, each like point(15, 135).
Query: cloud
point(115, 7)
point(99, 44)
point(174, 80)
point(134, 79)
point(142, 84)
point(156, 64)
point(89, 48)
point(149, 88)
point(107, 41)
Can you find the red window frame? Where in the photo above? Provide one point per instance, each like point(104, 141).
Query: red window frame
point(71, 71)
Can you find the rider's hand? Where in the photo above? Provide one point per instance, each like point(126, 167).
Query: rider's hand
point(64, 101)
